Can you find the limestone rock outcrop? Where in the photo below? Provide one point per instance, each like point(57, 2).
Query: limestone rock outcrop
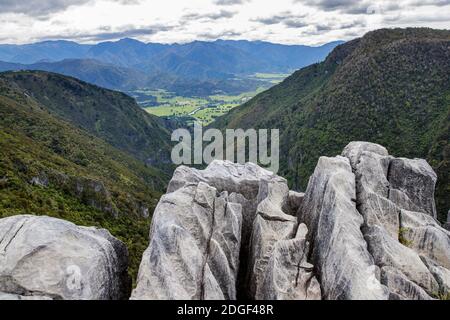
point(344, 266)
point(194, 247)
point(271, 227)
point(287, 262)
point(226, 232)
point(48, 258)
point(395, 196)
point(365, 228)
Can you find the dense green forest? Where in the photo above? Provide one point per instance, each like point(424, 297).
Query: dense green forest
point(49, 166)
point(390, 87)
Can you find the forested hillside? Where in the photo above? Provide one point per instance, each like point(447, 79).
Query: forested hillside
point(52, 163)
point(390, 87)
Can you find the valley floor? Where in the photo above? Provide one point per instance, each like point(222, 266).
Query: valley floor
point(204, 109)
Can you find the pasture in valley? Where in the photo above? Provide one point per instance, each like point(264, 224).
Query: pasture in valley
point(204, 109)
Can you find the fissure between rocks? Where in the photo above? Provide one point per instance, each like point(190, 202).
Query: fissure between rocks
point(12, 238)
point(208, 245)
point(299, 268)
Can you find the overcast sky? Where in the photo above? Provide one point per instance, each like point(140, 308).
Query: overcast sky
point(310, 22)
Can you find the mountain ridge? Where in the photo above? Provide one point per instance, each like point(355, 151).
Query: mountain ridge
point(390, 87)
point(199, 61)
point(52, 166)
point(98, 110)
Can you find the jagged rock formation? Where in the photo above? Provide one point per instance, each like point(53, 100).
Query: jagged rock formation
point(194, 250)
point(287, 262)
point(47, 258)
point(226, 232)
point(344, 265)
point(365, 228)
point(372, 225)
point(395, 197)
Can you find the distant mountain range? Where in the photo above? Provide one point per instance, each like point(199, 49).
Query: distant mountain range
point(192, 68)
point(391, 87)
point(89, 70)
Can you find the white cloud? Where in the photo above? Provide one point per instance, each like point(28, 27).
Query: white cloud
point(38, 7)
point(285, 21)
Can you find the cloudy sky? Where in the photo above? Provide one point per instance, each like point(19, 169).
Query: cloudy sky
point(310, 22)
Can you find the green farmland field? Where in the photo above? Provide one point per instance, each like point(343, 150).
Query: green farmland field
point(204, 109)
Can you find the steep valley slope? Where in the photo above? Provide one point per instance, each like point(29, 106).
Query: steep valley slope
point(109, 115)
point(390, 87)
point(54, 161)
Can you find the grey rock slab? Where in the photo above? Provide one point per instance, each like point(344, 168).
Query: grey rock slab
point(9, 296)
point(44, 256)
point(270, 226)
point(289, 276)
point(388, 252)
point(441, 274)
point(344, 266)
point(401, 287)
point(424, 234)
point(224, 176)
point(416, 180)
point(386, 186)
point(354, 149)
point(194, 247)
point(370, 163)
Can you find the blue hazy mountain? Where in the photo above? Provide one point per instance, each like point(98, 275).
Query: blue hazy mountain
point(197, 67)
point(128, 79)
point(93, 71)
point(125, 52)
point(220, 56)
point(274, 57)
point(42, 51)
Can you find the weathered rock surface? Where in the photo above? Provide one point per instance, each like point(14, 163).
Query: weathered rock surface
point(413, 181)
point(240, 181)
point(43, 257)
point(271, 226)
point(8, 296)
point(365, 228)
point(401, 288)
point(194, 247)
point(344, 266)
point(222, 233)
point(289, 276)
point(441, 274)
point(396, 198)
point(224, 176)
point(424, 234)
point(389, 252)
point(370, 163)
